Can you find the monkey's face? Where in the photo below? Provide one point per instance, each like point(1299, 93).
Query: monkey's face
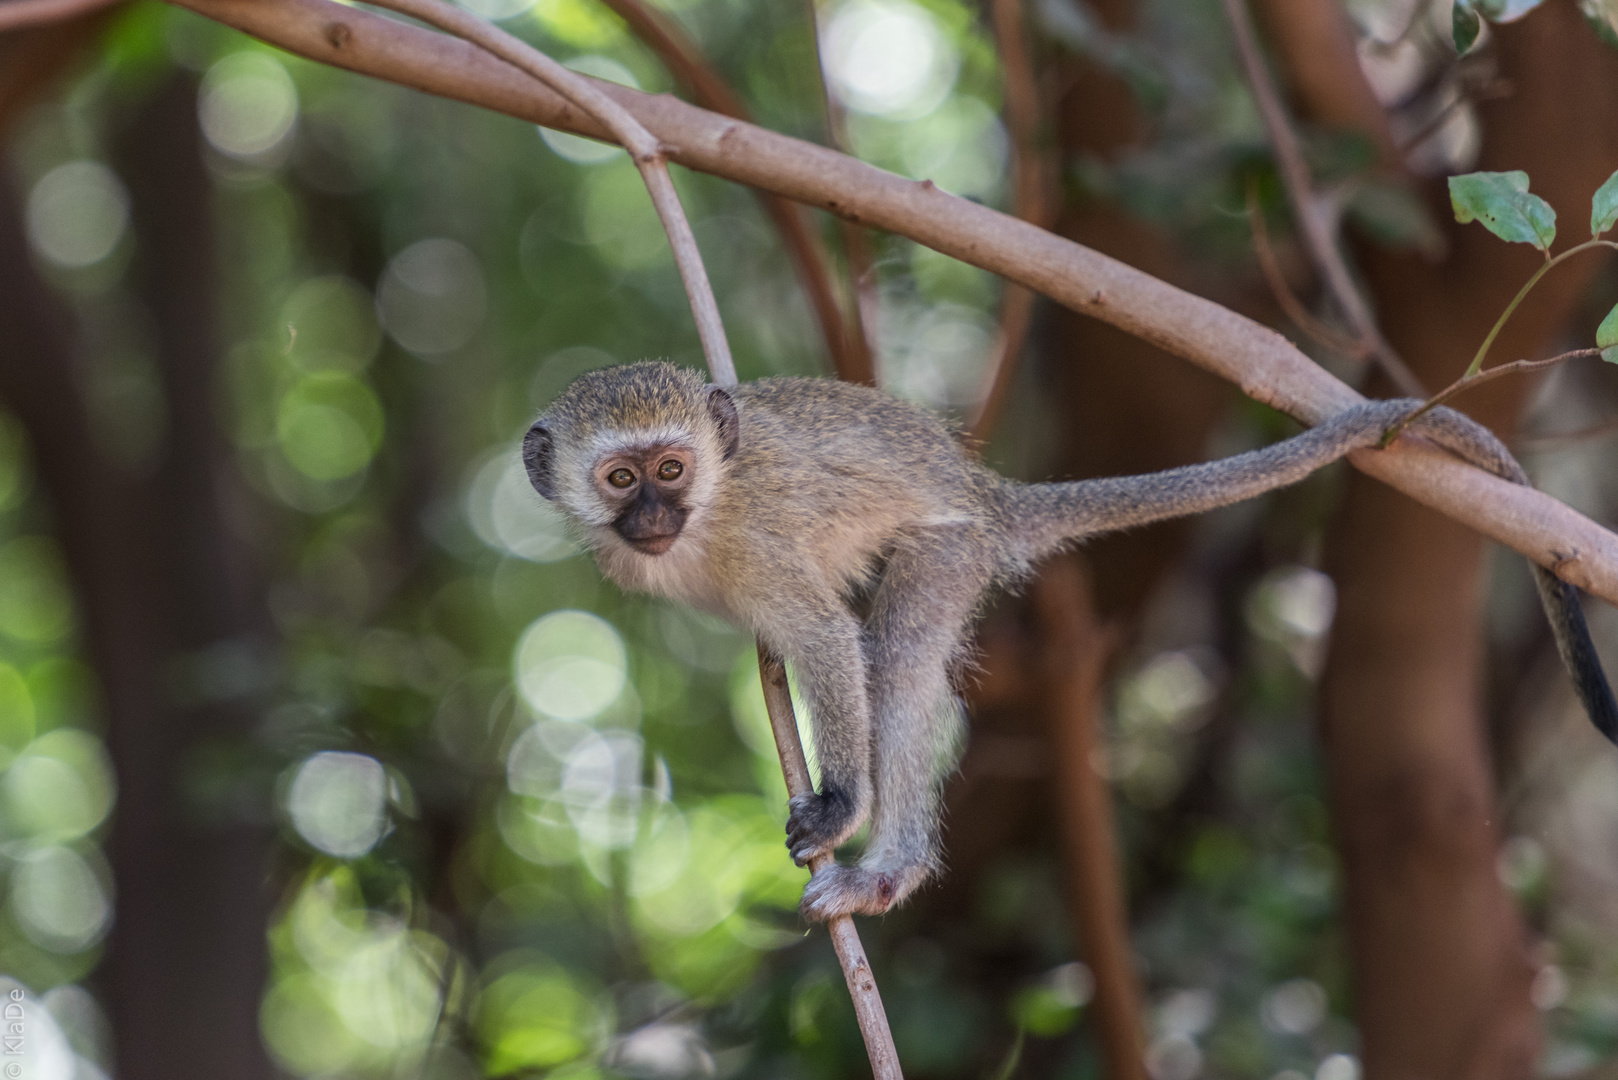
point(646, 490)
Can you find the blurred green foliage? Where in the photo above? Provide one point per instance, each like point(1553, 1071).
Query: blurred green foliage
point(534, 826)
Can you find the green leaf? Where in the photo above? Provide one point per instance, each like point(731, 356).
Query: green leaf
point(1500, 200)
point(1464, 25)
point(1607, 337)
point(1604, 206)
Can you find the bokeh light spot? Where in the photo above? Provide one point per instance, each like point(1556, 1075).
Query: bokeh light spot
point(509, 515)
point(332, 323)
point(35, 605)
point(496, 10)
point(59, 900)
point(570, 665)
point(59, 788)
point(576, 148)
point(432, 297)
point(77, 213)
point(338, 802)
point(329, 426)
point(888, 58)
point(247, 105)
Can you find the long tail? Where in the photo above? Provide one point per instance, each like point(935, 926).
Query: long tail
point(1048, 517)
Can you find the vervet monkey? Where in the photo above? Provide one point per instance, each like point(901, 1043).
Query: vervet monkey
point(776, 503)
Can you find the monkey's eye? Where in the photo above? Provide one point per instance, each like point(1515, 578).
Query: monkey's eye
point(620, 478)
point(670, 470)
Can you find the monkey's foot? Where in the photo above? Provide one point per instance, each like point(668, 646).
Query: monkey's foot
point(816, 824)
point(857, 890)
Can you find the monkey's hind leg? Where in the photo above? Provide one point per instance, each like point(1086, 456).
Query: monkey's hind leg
point(919, 617)
point(822, 639)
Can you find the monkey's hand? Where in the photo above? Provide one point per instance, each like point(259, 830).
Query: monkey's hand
point(817, 823)
point(857, 890)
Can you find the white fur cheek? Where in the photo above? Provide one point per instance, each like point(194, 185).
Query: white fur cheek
point(578, 498)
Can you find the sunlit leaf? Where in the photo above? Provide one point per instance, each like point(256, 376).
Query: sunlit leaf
point(1607, 337)
point(1500, 200)
point(1464, 25)
point(1604, 206)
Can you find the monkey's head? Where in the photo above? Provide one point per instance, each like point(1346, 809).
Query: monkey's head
point(636, 450)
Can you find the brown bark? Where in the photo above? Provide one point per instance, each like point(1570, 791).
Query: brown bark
point(1076, 655)
point(157, 581)
point(1440, 958)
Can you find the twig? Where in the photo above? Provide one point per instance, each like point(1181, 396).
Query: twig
point(845, 939)
point(1276, 279)
point(648, 156)
point(15, 14)
point(1314, 222)
point(867, 305)
point(1076, 654)
point(1029, 202)
point(647, 153)
point(851, 358)
point(1468, 381)
point(1266, 366)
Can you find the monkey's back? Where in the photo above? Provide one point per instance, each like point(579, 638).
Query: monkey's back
point(840, 473)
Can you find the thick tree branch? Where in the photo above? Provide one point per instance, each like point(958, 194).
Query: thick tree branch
point(851, 359)
point(1262, 362)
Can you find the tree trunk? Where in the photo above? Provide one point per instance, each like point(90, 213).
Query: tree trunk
point(157, 575)
point(1440, 956)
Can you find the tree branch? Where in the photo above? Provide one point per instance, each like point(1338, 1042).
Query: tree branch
point(15, 14)
point(648, 155)
point(1076, 653)
point(1262, 362)
point(1029, 202)
point(645, 150)
point(866, 302)
point(1315, 221)
point(851, 359)
point(845, 939)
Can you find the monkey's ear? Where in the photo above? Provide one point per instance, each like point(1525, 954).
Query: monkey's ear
point(723, 411)
point(536, 457)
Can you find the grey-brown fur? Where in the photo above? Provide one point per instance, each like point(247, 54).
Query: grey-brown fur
point(810, 492)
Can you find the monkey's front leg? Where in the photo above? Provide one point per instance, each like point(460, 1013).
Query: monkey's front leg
point(831, 670)
point(918, 620)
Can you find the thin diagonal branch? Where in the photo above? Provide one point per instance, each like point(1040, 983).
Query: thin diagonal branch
point(845, 939)
point(647, 153)
point(851, 358)
point(1030, 201)
point(1277, 281)
point(1315, 222)
point(866, 306)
